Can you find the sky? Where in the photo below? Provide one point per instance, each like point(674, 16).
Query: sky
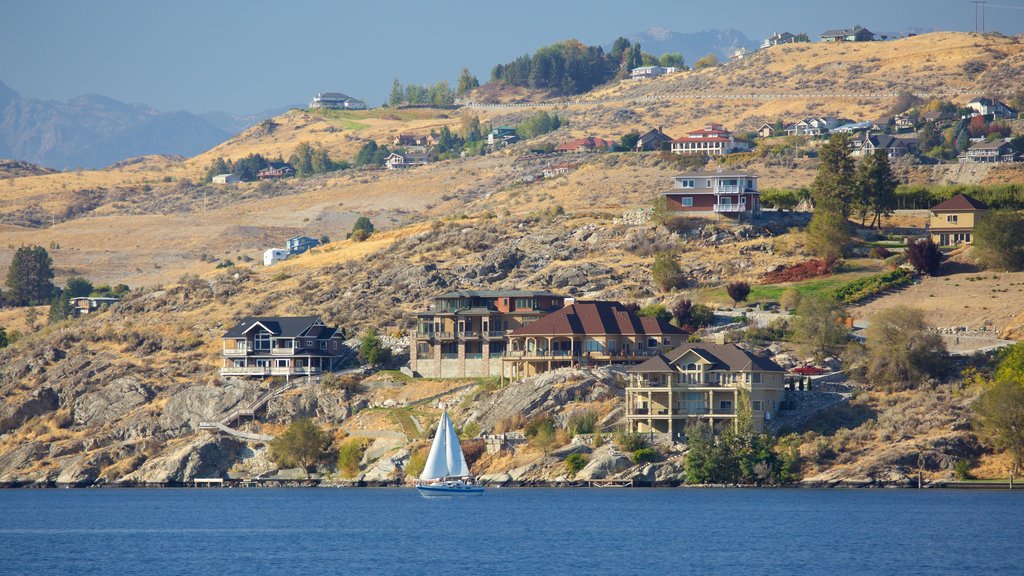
point(252, 55)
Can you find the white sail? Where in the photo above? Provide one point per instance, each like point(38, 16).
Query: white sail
point(437, 461)
point(456, 459)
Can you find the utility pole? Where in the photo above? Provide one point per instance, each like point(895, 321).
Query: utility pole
point(979, 4)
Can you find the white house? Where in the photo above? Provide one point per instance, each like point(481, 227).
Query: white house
point(712, 140)
point(274, 255)
point(226, 179)
point(648, 72)
point(986, 106)
point(336, 101)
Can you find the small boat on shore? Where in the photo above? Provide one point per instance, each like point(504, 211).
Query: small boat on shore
point(446, 472)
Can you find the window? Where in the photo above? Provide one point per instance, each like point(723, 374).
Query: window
point(694, 405)
point(262, 341)
point(281, 363)
point(686, 184)
point(725, 406)
point(725, 200)
point(334, 345)
point(524, 303)
point(951, 219)
point(756, 378)
point(757, 405)
point(652, 342)
point(591, 345)
point(309, 343)
point(686, 201)
point(323, 345)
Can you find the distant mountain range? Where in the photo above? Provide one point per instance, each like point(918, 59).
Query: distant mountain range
point(94, 131)
point(692, 45)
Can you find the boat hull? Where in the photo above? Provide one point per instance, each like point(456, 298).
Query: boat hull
point(448, 489)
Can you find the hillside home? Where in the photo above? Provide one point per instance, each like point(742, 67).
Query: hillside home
point(991, 106)
point(272, 256)
point(653, 140)
point(281, 346)
point(407, 140)
point(587, 333)
point(855, 34)
point(300, 244)
point(818, 126)
point(644, 72)
point(989, 152)
point(741, 53)
point(712, 140)
point(952, 222)
point(702, 382)
point(893, 146)
point(398, 161)
point(853, 127)
point(225, 179)
point(939, 118)
point(83, 305)
point(276, 170)
point(336, 101)
point(560, 169)
point(588, 144)
point(502, 136)
point(784, 38)
point(700, 193)
point(766, 130)
point(463, 333)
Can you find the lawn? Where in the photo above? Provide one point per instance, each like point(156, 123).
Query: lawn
point(350, 119)
point(850, 270)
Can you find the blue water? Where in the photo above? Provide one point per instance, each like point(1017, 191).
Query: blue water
point(529, 531)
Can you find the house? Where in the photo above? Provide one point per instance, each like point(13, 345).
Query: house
point(587, 333)
point(741, 53)
point(560, 169)
point(766, 130)
point(406, 140)
point(82, 305)
point(300, 244)
point(986, 152)
point(397, 161)
point(281, 346)
point(712, 140)
point(853, 127)
point(894, 146)
point(653, 140)
point(904, 122)
point(226, 179)
point(784, 38)
point(987, 106)
point(704, 383)
point(272, 256)
point(336, 101)
point(703, 193)
point(502, 135)
point(588, 144)
point(855, 34)
point(952, 222)
point(818, 126)
point(939, 117)
point(275, 170)
point(647, 72)
point(463, 333)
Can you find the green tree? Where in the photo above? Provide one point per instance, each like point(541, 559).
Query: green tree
point(629, 139)
point(363, 227)
point(302, 444)
point(828, 234)
point(738, 291)
point(671, 60)
point(834, 185)
point(545, 438)
point(818, 326)
point(999, 417)
point(656, 311)
point(708, 61)
point(350, 454)
point(999, 240)
point(666, 272)
point(1010, 363)
point(77, 287)
point(467, 82)
point(30, 277)
point(397, 95)
point(372, 350)
point(60, 307)
point(902, 351)
point(218, 166)
point(875, 188)
point(574, 463)
point(302, 159)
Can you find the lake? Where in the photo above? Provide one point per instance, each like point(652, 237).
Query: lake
point(510, 531)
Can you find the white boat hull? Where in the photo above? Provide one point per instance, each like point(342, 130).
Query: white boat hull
point(447, 489)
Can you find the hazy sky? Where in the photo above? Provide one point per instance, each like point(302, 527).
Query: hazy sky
point(245, 56)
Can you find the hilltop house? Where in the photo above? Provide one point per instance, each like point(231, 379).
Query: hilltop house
point(587, 333)
point(502, 135)
point(225, 179)
point(784, 38)
point(893, 146)
point(711, 193)
point(703, 382)
point(952, 222)
point(397, 161)
point(463, 333)
point(336, 101)
point(82, 305)
point(275, 170)
point(281, 346)
point(272, 256)
point(712, 140)
point(855, 34)
point(818, 126)
point(991, 106)
point(653, 140)
point(588, 144)
point(987, 152)
point(643, 72)
point(300, 244)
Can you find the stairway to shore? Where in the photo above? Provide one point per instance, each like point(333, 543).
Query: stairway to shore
point(223, 424)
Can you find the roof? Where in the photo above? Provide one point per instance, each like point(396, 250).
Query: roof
point(596, 318)
point(285, 326)
point(499, 294)
point(960, 203)
point(657, 363)
point(588, 142)
point(845, 32)
point(722, 357)
point(709, 173)
point(993, 145)
point(701, 139)
point(331, 96)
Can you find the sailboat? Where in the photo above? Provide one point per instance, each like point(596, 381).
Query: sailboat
point(446, 472)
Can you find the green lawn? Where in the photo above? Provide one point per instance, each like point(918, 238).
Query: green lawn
point(851, 270)
point(349, 119)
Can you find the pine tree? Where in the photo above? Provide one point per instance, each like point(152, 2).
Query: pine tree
point(397, 94)
point(30, 277)
point(467, 82)
point(834, 185)
point(876, 188)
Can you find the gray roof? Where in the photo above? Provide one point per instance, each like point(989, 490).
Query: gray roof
point(845, 32)
point(709, 173)
point(722, 356)
point(283, 326)
point(498, 294)
point(993, 145)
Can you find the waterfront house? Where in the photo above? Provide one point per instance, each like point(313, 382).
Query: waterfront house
point(587, 333)
point(702, 193)
point(856, 34)
point(711, 140)
point(653, 140)
point(281, 346)
point(463, 333)
point(701, 382)
point(952, 222)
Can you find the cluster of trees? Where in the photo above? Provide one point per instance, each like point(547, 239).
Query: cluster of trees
point(999, 240)
point(308, 160)
point(999, 409)
point(30, 277)
point(440, 95)
point(918, 196)
point(370, 154)
point(537, 124)
point(362, 229)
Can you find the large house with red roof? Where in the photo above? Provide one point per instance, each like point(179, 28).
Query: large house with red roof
point(702, 193)
point(587, 333)
point(588, 144)
point(711, 140)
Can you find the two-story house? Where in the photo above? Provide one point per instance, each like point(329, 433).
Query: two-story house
point(502, 136)
point(991, 106)
point(987, 152)
point(711, 140)
point(893, 146)
point(463, 333)
point(701, 193)
point(653, 140)
point(300, 244)
point(587, 333)
point(286, 346)
point(856, 34)
point(952, 222)
point(780, 38)
point(336, 101)
point(702, 382)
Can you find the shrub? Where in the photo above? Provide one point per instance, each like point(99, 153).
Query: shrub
point(372, 350)
point(302, 444)
point(349, 456)
point(645, 455)
point(655, 311)
point(999, 240)
point(868, 286)
point(575, 462)
point(738, 291)
point(360, 235)
point(880, 253)
point(666, 272)
point(790, 299)
point(962, 470)
point(417, 461)
point(924, 256)
point(902, 351)
point(598, 438)
point(581, 422)
point(818, 326)
point(630, 441)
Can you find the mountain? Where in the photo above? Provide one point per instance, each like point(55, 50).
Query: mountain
point(692, 45)
point(93, 131)
point(235, 123)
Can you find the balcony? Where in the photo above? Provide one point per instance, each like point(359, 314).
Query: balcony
point(468, 335)
point(282, 351)
point(723, 189)
point(269, 371)
point(495, 335)
point(730, 208)
point(237, 351)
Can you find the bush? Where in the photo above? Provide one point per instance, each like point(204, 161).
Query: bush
point(581, 422)
point(738, 291)
point(302, 444)
point(350, 454)
point(655, 311)
point(924, 256)
point(962, 470)
point(360, 236)
point(630, 441)
point(818, 326)
point(644, 455)
point(902, 351)
point(868, 286)
point(666, 272)
point(417, 461)
point(999, 240)
point(575, 462)
point(372, 350)
point(880, 253)
point(790, 299)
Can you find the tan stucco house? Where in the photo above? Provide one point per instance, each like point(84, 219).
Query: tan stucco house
point(952, 222)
